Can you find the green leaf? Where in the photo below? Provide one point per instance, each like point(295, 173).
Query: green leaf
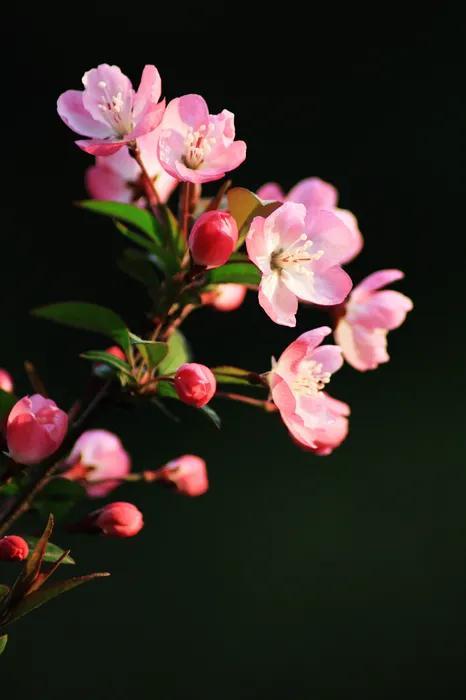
point(212, 416)
point(152, 351)
point(238, 272)
point(107, 359)
point(52, 551)
point(3, 643)
point(235, 375)
point(176, 240)
point(139, 266)
point(128, 213)
point(88, 317)
point(59, 497)
point(46, 593)
point(167, 390)
point(244, 206)
point(178, 354)
point(7, 401)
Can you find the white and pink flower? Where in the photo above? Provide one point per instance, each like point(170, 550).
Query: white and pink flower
point(196, 146)
point(109, 111)
point(317, 194)
point(369, 314)
point(299, 256)
point(117, 177)
point(316, 421)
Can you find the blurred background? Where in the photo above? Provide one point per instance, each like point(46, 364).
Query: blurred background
point(295, 576)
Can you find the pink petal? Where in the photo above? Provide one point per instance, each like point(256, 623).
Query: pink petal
point(170, 151)
point(193, 111)
point(281, 393)
point(149, 91)
point(379, 279)
point(287, 223)
point(256, 245)
point(100, 147)
point(300, 348)
point(314, 193)
point(104, 183)
point(357, 241)
point(386, 309)
point(271, 191)
point(230, 158)
point(362, 349)
point(71, 109)
point(331, 287)
point(149, 120)
point(329, 356)
point(116, 83)
point(279, 303)
point(329, 234)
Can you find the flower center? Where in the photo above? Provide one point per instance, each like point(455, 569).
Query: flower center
point(295, 257)
point(310, 378)
point(197, 145)
point(117, 113)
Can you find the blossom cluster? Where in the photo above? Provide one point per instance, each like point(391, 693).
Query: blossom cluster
point(289, 248)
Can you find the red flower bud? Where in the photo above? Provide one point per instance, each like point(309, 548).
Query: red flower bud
point(35, 429)
point(225, 297)
point(195, 384)
point(6, 382)
point(13, 548)
point(116, 352)
point(213, 238)
point(118, 519)
point(187, 473)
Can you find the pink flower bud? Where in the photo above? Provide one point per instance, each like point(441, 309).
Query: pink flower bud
point(6, 382)
point(225, 297)
point(116, 352)
point(35, 429)
point(213, 238)
point(188, 474)
point(118, 519)
point(13, 548)
point(195, 384)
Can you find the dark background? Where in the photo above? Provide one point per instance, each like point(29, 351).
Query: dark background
point(295, 577)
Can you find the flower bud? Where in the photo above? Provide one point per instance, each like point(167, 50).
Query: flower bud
point(99, 461)
point(195, 384)
point(213, 238)
point(101, 369)
point(6, 382)
point(225, 297)
point(118, 519)
point(35, 429)
point(116, 352)
point(188, 474)
point(13, 548)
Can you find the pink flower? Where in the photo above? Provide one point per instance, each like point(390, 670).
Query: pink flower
point(6, 382)
point(196, 146)
point(118, 519)
point(118, 177)
point(99, 461)
point(109, 111)
point(213, 238)
point(368, 316)
point(187, 473)
point(195, 384)
point(225, 297)
point(13, 548)
point(35, 429)
point(299, 257)
point(316, 194)
point(315, 420)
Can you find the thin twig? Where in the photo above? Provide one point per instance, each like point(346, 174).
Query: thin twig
point(268, 406)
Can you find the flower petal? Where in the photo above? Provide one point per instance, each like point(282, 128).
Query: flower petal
point(71, 109)
point(100, 147)
point(329, 233)
point(302, 347)
point(331, 287)
point(148, 92)
point(277, 301)
point(314, 193)
point(272, 192)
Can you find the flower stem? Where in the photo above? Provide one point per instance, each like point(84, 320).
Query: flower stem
point(149, 187)
point(268, 406)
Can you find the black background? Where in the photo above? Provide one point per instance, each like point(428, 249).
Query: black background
point(295, 577)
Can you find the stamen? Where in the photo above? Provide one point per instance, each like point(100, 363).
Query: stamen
point(310, 379)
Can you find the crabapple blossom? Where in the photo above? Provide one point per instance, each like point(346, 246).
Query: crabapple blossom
point(225, 297)
point(369, 314)
point(317, 194)
point(315, 420)
point(195, 384)
point(213, 238)
point(299, 257)
point(117, 519)
point(99, 461)
point(188, 474)
point(35, 429)
point(6, 382)
point(109, 111)
point(13, 548)
point(118, 177)
point(196, 146)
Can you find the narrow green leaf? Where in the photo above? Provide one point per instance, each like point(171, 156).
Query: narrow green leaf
point(89, 317)
point(235, 375)
point(7, 401)
point(212, 416)
point(43, 595)
point(238, 272)
point(178, 354)
point(107, 359)
point(52, 551)
point(176, 240)
point(3, 643)
point(142, 241)
point(139, 266)
point(129, 213)
point(167, 390)
point(153, 351)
